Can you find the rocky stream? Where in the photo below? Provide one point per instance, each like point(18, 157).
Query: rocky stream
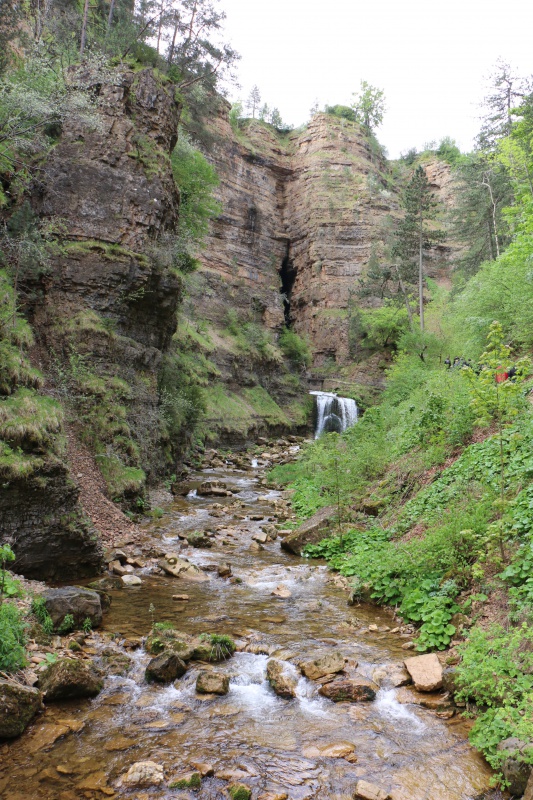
point(287, 615)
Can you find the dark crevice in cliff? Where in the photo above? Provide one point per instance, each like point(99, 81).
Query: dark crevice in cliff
point(287, 273)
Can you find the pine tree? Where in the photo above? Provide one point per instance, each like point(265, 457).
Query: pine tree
point(275, 118)
point(414, 235)
point(254, 98)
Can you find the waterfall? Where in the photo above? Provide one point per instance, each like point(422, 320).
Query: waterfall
point(333, 413)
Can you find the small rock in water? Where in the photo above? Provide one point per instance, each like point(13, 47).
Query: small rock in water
point(131, 580)
point(165, 668)
point(337, 750)
point(255, 547)
point(281, 591)
point(183, 597)
point(281, 678)
point(142, 774)
point(369, 791)
point(211, 682)
point(224, 571)
point(323, 665)
point(349, 689)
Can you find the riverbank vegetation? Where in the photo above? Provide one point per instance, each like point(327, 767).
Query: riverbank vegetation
point(435, 483)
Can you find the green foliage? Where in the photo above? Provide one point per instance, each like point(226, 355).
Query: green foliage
point(295, 348)
point(194, 782)
point(369, 106)
point(196, 179)
point(87, 625)
point(382, 327)
point(222, 646)
point(67, 625)
point(343, 112)
point(240, 792)
point(12, 638)
point(8, 587)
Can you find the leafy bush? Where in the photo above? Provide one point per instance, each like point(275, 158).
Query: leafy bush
point(12, 638)
point(295, 348)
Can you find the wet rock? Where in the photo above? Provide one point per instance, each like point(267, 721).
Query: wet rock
point(224, 570)
point(165, 668)
point(187, 780)
point(198, 539)
point(281, 591)
point(142, 774)
point(115, 662)
point(119, 743)
point(82, 604)
point(392, 675)
point(69, 678)
point(337, 750)
point(238, 791)
point(515, 770)
point(425, 671)
point(18, 705)
point(282, 678)
point(255, 547)
point(429, 700)
point(117, 568)
point(214, 488)
point(131, 580)
point(369, 791)
point(273, 796)
point(95, 782)
point(178, 567)
point(311, 531)
point(260, 537)
point(210, 682)
point(184, 598)
point(352, 690)
point(159, 641)
point(44, 736)
point(326, 664)
point(204, 768)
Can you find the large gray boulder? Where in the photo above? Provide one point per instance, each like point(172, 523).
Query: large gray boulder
point(18, 706)
point(69, 678)
point(324, 664)
point(211, 682)
point(425, 671)
point(313, 530)
point(81, 603)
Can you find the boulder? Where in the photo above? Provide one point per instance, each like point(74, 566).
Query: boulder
point(68, 678)
point(131, 580)
point(198, 539)
point(515, 770)
point(391, 675)
point(81, 603)
point(352, 690)
point(282, 678)
point(528, 794)
point(449, 679)
point(178, 567)
point(159, 641)
point(213, 489)
point(18, 705)
point(224, 570)
point(281, 591)
point(165, 668)
point(369, 791)
point(210, 682)
point(311, 531)
point(426, 672)
point(142, 774)
point(325, 664)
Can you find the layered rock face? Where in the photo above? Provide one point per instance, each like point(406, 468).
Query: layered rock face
point(108, 301)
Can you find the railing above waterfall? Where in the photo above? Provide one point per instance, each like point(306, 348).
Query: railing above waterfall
point(333, 413)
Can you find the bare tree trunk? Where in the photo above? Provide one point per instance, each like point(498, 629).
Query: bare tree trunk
point(421, 277)
point(110, 17)
point(160, 26)
point(84, 27)
point(405, 297)
point(486, 183)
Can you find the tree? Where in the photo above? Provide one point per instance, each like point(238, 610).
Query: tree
point(507, 91)
point(414, 234)
point(254, 98)
point(275, 118)
point(369, 106)
point(264, 113)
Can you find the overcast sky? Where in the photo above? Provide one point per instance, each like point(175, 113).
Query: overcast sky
point(431, 58)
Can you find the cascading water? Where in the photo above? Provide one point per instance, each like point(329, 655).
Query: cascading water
point(333, 413)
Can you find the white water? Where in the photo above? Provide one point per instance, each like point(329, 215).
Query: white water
point(334, 413)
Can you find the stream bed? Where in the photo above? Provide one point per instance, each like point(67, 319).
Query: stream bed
point(250, 735)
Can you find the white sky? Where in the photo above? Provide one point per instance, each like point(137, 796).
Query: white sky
point(431, 58)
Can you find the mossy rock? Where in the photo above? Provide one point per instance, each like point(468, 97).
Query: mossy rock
point(159, 641)
point(69, 678)
point(238, 791)
point(18, 706)
point(191, 780)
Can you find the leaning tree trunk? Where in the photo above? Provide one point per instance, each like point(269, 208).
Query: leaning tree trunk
point(420, 277)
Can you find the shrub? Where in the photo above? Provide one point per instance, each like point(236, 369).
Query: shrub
point(295, 348)
point(12, 638)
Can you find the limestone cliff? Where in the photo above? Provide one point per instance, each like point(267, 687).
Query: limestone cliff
point(103, 314)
